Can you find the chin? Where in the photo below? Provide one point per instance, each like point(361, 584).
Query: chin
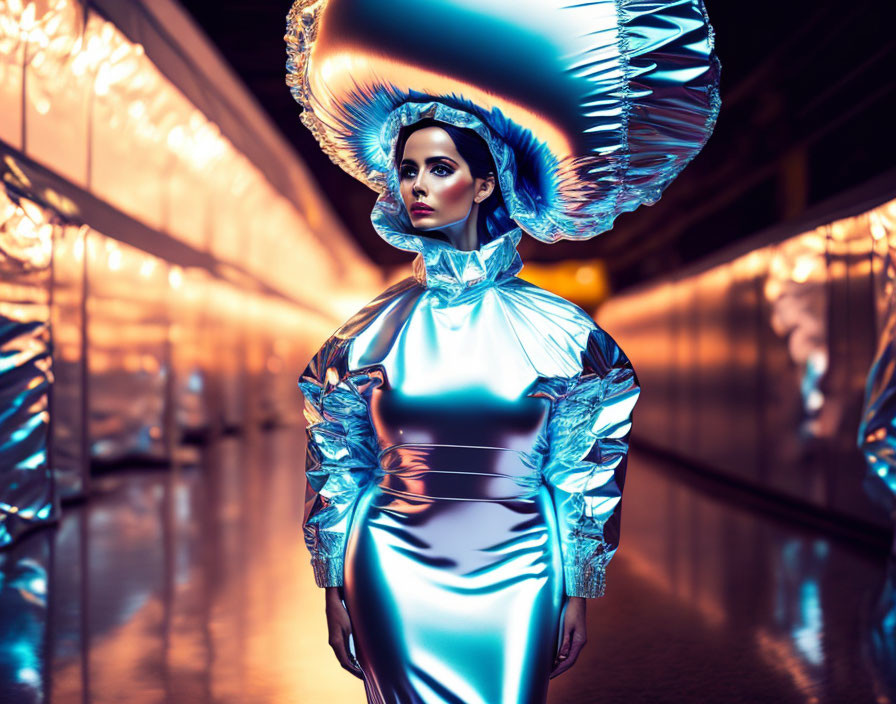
point(425, 223)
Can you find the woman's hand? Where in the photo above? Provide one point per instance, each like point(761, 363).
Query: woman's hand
point(340, 628)
point(574, 638)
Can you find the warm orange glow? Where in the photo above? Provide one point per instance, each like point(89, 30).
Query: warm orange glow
point(154, 155)
point(680, 319)
point(778, 652)
point(583, 282)
point(341, 63)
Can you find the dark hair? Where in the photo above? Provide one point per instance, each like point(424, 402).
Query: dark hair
point(474, 150)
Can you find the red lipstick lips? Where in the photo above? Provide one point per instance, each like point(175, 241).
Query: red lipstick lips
point(420, 208)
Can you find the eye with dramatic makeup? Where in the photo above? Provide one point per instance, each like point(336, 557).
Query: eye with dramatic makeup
point(443, 170)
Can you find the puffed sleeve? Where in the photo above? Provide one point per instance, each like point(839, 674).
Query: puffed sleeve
point(585, 461)
point(340, 459)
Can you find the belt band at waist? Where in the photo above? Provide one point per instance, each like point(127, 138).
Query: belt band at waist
point(457, 472)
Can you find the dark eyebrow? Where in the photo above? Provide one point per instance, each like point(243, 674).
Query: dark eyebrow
point(431, 159)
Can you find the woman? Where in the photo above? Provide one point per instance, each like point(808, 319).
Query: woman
point(466, 452)
point(468, 431)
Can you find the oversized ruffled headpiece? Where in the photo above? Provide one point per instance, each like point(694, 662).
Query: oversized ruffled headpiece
point(590, 109)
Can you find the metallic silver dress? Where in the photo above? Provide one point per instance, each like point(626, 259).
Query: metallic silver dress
point(467, 446)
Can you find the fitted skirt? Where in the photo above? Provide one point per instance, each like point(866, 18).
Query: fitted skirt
point(454, 588)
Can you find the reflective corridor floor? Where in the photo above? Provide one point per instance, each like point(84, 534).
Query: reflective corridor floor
point(194, 586)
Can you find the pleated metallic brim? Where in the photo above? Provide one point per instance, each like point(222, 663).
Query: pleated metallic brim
point(590, 109)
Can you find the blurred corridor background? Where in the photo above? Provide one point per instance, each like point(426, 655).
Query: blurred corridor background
point(174, 246)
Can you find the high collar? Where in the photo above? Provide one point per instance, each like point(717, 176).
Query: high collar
point(440, 265)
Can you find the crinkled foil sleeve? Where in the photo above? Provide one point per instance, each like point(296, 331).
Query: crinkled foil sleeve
point(340, 458)
point(586, 453)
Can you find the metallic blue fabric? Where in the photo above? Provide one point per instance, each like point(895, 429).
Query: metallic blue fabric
point(28, 496)
point(876, 436)
point(601, 104)
point(467, 444)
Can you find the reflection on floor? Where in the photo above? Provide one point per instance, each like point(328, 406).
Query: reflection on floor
point(194, 586)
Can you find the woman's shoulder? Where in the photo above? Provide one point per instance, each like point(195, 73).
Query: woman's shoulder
point(556, 316)
point(394, 300)
point(548, 307)
point(560, 335)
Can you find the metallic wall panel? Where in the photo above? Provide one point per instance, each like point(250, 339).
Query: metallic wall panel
point(27, 496)
point(290, 348)
point(127, 332)
point(793, 330)
point(228, 309)
point(745, 382)
point(258, 349)
point(846, 463)
point(712, 402)
point(69, 461)
point(876, 436)
point(189, 358)
point(12, 58)
point(686, 371)
point(661, 380)
point(124, 131)
point(768, 359)
point(110, 351)
point(58, 87)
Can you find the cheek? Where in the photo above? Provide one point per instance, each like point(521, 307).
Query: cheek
point(455, 192)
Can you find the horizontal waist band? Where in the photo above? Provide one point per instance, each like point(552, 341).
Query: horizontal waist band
point(457, 472)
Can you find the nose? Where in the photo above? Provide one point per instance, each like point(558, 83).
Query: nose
point(418, 188)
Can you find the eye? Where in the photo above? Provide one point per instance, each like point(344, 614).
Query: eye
point(445, 170)
point(406, 171)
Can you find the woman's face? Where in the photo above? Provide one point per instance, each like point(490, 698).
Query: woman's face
point(436, 184)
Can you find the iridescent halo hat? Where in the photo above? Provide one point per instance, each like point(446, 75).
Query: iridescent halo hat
point(590, 109)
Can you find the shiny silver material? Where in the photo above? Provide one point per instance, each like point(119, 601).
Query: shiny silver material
point(467, 446)
point(468, 431)
point(876, 436)
point(27, 495)
point(600, 104)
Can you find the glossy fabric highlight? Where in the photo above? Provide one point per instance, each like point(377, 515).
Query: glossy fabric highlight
point(876, 437)
point(27, 494)
point(454, 599)
point(467, 445)
point(601, 104)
